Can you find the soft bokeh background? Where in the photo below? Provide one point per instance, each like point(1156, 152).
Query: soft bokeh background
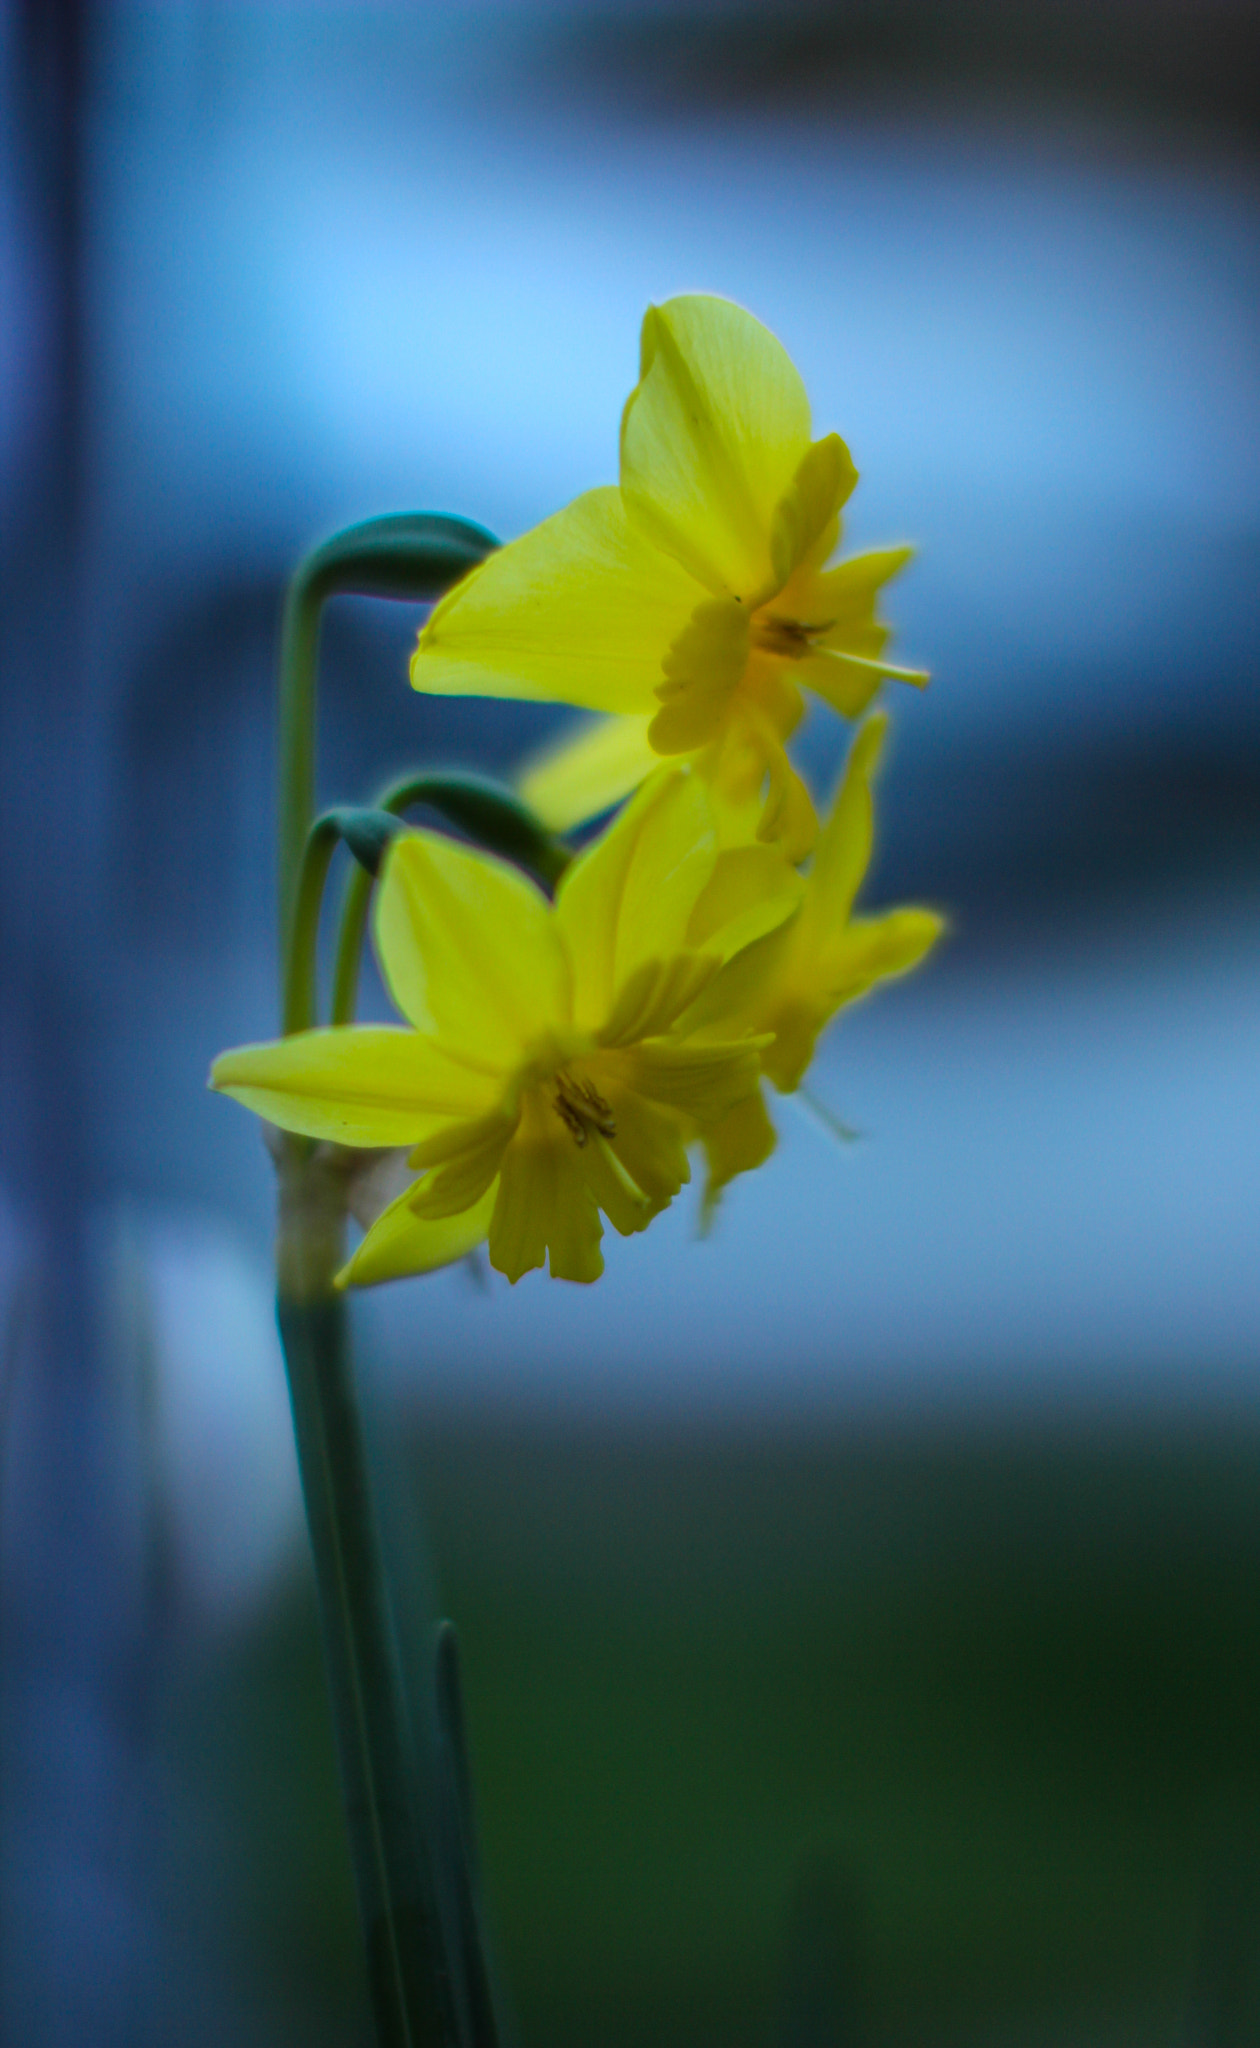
point(860, 1609)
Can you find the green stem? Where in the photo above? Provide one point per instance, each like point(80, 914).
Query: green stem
point(410, 557)
point(354, 910)
point(300, 999)
point(299, 658)
point(409, 1980)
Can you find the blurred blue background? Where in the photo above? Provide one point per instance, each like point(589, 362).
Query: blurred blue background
point(896, 1551)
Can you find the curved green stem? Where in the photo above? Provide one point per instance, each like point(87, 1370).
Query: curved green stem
point(412, 556)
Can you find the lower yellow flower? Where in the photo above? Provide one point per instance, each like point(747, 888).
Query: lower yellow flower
point(545, 1076)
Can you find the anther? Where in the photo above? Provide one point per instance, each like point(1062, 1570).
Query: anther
point(569, 1116)
point(776, 635)
point(581, 1108)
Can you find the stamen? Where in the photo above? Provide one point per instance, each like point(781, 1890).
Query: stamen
point(569, 1116)
point(582, 1109)
point(789, 637)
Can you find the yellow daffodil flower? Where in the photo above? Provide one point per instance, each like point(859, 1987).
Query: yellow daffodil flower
point(691, 598)
point(790, 983)
point(543, 1076)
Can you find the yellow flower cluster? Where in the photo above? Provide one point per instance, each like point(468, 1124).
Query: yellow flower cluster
point(558, 1059)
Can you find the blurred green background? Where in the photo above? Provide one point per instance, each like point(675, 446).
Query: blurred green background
point(866, 1736)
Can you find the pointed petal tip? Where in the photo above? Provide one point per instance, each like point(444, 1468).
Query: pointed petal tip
point(218, 1075)
point(648, 331)
point(869, 742)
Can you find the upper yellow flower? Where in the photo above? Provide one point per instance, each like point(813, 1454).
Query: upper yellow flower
point(544, 1076)
point(692, 596)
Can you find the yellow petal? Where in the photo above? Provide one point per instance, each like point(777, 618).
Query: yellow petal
point(844, 845)
point(400, 1242)
point(649, 1145)
point(844, 685)
point(743, 996)
point(743, 1140)
point(356, 1084)
point(574, 1230)
point(629, 897)
point(788, 820)
point(751, 890)
point(466, 1171)
point(863, 953)
point(588, 772)
point(455, 1138)
point(544, 1206)
point(579, 610)
point(752, 752)
point(624, 1204)
point(735, 771)
point(650, 1000)
point(797, 1024)
point(819, 551)
point(842, 599)
point(877, 948)
point(469, 949)
point(703, 669)
point(700, 1080)
point(711, 438)
point(824, 479)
